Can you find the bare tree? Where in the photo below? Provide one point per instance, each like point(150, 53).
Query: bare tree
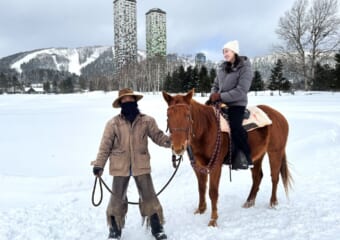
point(308, 34)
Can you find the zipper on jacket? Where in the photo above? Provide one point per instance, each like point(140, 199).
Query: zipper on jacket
point(132, 154)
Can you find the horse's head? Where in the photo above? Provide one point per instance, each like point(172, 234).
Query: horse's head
point(179, 120)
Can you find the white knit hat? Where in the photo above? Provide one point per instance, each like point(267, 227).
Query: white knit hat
point(233, 46)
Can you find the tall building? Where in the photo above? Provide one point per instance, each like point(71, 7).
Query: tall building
point(156, 47)
point(155, 33)
point(200, 59)
point(125, 32)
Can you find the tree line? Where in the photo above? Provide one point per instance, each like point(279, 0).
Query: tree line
point(181, 79)
point(326, 78)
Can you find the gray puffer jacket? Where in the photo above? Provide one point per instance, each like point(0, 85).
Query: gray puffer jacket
point(233, 82)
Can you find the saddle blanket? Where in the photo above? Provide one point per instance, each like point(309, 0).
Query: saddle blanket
point(257, 119)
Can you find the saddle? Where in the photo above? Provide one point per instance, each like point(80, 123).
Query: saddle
point(254, 117)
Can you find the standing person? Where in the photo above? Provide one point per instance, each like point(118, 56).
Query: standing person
point(125, 143)
point(231, 86)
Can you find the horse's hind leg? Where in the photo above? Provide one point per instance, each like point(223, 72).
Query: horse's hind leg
point(275, 161)
point(202, 187)
point(257, 175)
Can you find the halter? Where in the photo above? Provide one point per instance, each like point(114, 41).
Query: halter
point(182, 129)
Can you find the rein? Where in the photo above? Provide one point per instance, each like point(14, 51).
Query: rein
point(212, 162)
point(101, 183)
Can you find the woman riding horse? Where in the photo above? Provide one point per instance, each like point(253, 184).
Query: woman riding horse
point(231, 86)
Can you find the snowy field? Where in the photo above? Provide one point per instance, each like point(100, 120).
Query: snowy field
point(48, 141)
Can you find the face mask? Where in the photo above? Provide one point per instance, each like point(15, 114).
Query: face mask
point(129, 110)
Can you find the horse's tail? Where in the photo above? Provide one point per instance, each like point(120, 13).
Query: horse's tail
point(287, 178)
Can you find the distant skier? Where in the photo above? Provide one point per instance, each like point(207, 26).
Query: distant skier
point(125, 143)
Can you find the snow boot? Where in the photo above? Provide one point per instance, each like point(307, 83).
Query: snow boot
point(156, 228)
point(240, 161)
point(114, 233)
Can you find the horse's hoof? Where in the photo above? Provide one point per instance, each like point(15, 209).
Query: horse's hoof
point(249, 204)
point(199, 211)
point(212, 223)
point(273, 204)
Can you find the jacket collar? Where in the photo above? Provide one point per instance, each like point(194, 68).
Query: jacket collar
point(140, 115)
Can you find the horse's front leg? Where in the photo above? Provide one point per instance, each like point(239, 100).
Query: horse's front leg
point(202, 187)
point(214, 182)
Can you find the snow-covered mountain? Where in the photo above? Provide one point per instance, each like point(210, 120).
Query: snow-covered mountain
point(62, 59)
point(80, 60)
point(73, 60)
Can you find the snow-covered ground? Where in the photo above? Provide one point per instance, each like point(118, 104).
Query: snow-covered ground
point(48, 141)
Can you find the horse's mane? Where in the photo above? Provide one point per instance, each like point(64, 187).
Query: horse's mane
point(202, 115)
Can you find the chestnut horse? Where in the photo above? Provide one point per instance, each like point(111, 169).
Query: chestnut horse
point(194, 124)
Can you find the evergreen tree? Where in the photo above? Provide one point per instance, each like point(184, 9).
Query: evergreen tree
point(286, 85)
point(66, 86)
point(188, 81)
point(212, 76)
point(92, 86)
point(180, 81)
point(167, 82)
point(103, 84)
point(83, 82)
point(15, 84)
point(337, 72)
point(257, 83)
point(54, 86)
point(276, 79)
point(195, 78)
point(191, 79)
point(47, 86)
point(324, 78)
point(204, 81)
point(176, 83)
point(3, 83)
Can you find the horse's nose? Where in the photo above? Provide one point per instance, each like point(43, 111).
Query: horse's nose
point(179, 150)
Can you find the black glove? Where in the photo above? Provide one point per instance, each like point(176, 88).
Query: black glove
point(214, 97)
point(97, 171)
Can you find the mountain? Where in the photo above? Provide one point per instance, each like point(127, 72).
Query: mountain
point(73, 60)
point(265, 64)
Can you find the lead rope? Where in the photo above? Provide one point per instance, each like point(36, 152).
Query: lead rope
point(230, 152)
point(101, 183)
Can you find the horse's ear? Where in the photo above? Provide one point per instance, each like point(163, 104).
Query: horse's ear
point(189, 95)
point(166, 97)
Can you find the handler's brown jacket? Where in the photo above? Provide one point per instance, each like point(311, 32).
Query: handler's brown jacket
point(126, 145)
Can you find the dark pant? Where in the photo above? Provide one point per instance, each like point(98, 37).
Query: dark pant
point(148, 201)
point(238, 133)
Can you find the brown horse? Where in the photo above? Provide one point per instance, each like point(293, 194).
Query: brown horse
point(194, 124)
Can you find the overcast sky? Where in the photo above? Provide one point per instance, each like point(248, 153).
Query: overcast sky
point(192, 25)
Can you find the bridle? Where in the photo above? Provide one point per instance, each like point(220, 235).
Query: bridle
point(216, 152)
point(188, 128)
